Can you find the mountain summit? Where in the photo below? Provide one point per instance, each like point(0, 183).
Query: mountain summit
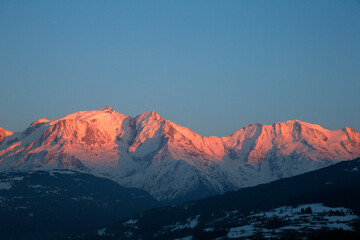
point(173, 162)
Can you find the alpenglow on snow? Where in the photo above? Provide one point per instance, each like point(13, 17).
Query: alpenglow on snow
point(169, 161)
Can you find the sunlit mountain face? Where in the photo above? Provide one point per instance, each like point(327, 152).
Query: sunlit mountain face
point(171, 162)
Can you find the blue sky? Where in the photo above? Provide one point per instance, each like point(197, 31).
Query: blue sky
point(212, 66)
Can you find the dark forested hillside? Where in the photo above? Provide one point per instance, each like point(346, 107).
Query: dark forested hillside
point(55, 204)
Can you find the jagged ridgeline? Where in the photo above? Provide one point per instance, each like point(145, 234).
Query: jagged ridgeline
point(171, 162)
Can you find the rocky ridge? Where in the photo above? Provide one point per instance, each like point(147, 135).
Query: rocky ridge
point(169, 161)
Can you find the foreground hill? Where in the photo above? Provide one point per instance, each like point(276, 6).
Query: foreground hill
point(54, 204)
point(296, 207)
point(171, 162)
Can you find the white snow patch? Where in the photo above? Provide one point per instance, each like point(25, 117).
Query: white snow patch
point(184, 238)
point(68, 172)
point(193, 222)
point(128, 234)
point(190, 223)
point(101, 232)
point(37, 186)
point(243, 231)
point(5, 186)
point(131, 221)
point(87, 198)
point(296, 218)
point(19, 178)
point(343, 226)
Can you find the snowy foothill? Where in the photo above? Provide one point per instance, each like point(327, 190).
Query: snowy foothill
point(302, 218)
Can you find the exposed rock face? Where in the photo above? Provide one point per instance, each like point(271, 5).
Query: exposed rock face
point(170, 161)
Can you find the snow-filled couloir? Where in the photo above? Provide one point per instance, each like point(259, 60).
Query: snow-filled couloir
point(173, 162)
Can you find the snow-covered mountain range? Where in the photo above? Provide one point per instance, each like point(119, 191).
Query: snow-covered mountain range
point(169, 161)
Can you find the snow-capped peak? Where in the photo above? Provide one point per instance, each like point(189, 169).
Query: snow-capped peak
point(106, 108)
point(305, 124)
point(102, 113)
point(149, 115)
point(41, 120)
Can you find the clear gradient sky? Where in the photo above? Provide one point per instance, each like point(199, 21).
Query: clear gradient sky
point(212, 66)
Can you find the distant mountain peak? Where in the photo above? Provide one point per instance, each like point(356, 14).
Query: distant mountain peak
point(41, 120)
point(149, 115)
point(106, 108)
point(4, 133)
point(306, 124)
point(349, 129)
